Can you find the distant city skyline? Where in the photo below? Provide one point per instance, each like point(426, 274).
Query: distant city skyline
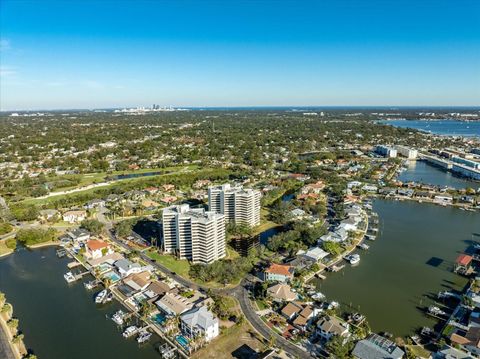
point(106, 54)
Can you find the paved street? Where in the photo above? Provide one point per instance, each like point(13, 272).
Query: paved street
point(242, 295)
point(239, 292)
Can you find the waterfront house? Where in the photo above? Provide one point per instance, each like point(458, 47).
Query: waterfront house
point(291, 310)
point(278, 273)
point(329, 326)
point(137, 281)
point(74, 216)
point(156, 289)
point(126, 267)
point(315, 254)
point(463, 264)
point(443, 199)
point(79, 235)
point(377, 347)
point(95, 249)
point(448, 352)
point(370, 188)
point(173, 304)
point(307, 314)
point(199, 321)
point(281, 293)
point(108, 259)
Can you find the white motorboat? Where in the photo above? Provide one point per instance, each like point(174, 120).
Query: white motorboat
point(131, 330)
point(101, 297)
point(318, 296)
point(353, 259)
point(143, 337)
point(119, 317)
point(333, 305)
point(69, 277)
point(363, 246)
point(436, 311)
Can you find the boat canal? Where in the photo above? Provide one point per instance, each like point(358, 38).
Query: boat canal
point(408, 264)
point(61, 320)
point(422, 172)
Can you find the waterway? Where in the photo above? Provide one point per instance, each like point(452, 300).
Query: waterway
point(440, 127)
point(422, 172)
point(61, 320)
point(411, 259)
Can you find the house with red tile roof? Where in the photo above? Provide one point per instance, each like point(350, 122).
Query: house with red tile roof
point(95, 249)
point(278, 273)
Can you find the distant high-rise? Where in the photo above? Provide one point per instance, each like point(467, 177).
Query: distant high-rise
point(239, 205)
point(194, 234)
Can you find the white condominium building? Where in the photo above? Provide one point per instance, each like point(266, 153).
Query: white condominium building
point(193, 234)
point(407, 152)
point(239, 205)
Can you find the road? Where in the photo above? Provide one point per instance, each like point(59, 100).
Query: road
point(239, 292)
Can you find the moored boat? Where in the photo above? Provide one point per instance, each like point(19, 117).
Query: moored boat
point(143, 337)
point(101, 297)
point(131, 330)
point(69, 277)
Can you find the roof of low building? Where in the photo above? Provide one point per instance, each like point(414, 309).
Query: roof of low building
point(281, 291)
point(291, 309)
point(464, 259)
point(94, 244)
point(199, 317)
point(332, 325)
point(280, 269)
point(377, 347)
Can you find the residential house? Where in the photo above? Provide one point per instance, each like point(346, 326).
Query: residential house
point(173, 304)
point(329, 326)
point(95, 249)
point(94, 203)
point(377, 347)
point(74, 216)
point(137, 281)
point(278, 273)
point(291, 310)
point(281, 293)
point(316, 254)
point(79, 235)
point(126, 267)
point(199, 321)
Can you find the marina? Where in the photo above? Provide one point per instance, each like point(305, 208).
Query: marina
point(41, 272)
point(424, 240)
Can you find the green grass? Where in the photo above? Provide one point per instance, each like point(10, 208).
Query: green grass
point(4, 248)
point(179, 266)
point(38, 201)
point(261, 304)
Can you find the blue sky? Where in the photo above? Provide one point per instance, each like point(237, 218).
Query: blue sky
point(105, 53)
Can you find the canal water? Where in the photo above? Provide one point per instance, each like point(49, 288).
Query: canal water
point(411, 260)
point(422, 172)
point(440, 127)
point(61, 320)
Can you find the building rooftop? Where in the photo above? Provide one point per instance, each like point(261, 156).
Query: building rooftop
point(280, 269)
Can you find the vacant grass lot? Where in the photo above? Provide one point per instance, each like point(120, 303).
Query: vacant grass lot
point(181, 267)
point(233, 339)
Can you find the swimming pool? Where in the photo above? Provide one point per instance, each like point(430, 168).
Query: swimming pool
point(182, 341)
point(114, 277)
point(159, 318)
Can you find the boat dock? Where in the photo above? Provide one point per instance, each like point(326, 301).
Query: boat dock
point(73, 264)
point(167, 351)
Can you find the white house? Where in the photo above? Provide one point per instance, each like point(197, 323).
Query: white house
point(199, 322)
point(74, 216)
point(125, 267)
point(95, 249)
